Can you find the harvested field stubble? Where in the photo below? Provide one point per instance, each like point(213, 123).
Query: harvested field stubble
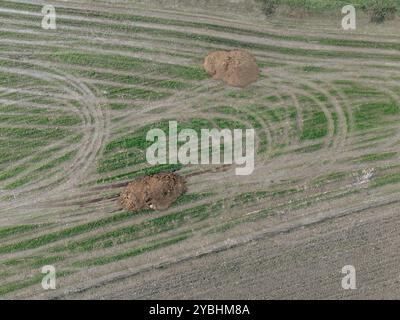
point(156, 192)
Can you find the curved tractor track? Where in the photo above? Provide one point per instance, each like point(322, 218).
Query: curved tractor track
point(75, 106)
point(94, 130)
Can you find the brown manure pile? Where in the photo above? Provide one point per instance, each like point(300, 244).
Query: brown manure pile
point(156, 192)
point(237, 68)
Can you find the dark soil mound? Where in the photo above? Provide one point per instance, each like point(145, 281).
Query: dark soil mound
point(156, 192)
point(237, 68)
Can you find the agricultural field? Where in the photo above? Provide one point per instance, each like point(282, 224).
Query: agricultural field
point(76, 104)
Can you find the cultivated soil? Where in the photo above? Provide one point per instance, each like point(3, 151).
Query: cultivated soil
point(74, 112)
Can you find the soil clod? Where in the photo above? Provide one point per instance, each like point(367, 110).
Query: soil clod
point(155, 192)
point(237, 68)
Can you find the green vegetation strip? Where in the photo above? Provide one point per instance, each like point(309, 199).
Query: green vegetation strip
point(120, 62)
point(392, 178)
point(13, 230)
point(133, 252)
point(372, 115)
point(238, 43)
point(142, 172)
point(36, 173)
point(148, 228)
point(376, 157)
point(312, 5)
point(158, 223)
point(65, 233)
point(33, 280)
point(34, 262)
point(132, 79)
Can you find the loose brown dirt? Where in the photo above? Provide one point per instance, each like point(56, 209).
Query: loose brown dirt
point(156, 192)
point(237, 68)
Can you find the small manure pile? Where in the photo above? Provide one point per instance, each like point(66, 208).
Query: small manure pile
point(237, 68)
point(155, 192)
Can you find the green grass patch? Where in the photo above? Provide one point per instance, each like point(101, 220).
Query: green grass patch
point(14, 286)
point(313, 5)
point(115, 92)
point(34, 174)
point(352, 89)
point(315, 126)
point(119, 62)
point(226, 110)
point(9, 79)
point(376, 157)
point(316, 69)
point(240, 94)
point(253, 197)
point(311, 148)
point(192, 197)
point(372, 115)
point(392, 178)
point(33, 280)
point(122, 159)
point(276, 114)
point(13, 230)
point(142, 172)
point(229, 124)
point(66, 233)
point(158, 244)
point(145, 229)
point(34, 262)
point(130, 149)
point(121, 106)
point(33, 133)
point(272, 98)
point(329, 178)
point(7, 174)
point(133, 79)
